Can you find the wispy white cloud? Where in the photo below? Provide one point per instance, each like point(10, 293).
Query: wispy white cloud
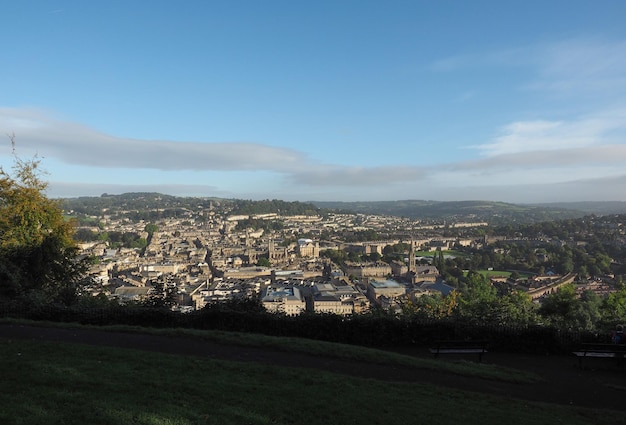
point(572, 67)
point(324, 175)
point(75, 144)
point(524, 191)
point(582, 67)
point(544, 135)
point(525, 163)
point(580, 154)
point(604, 155)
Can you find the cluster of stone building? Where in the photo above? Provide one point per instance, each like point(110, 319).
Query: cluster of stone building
point(211, 260)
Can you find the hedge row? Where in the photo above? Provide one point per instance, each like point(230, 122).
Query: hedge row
point(371, 330)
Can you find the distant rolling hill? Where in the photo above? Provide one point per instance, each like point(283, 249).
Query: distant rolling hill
point(597, 208)
point(491, 212)
point(487, 211)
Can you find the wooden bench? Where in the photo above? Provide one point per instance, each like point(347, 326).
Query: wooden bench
point(459, 347)
point(605, 351)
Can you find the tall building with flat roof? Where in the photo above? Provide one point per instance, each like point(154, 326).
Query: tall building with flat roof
point(341, 299)
point(283, 299)
point(387, 288)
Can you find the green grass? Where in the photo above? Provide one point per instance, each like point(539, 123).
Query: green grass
point(494, 273)
point(500, 273)
point(349, 352)
point(57, 383)
point(318, 348)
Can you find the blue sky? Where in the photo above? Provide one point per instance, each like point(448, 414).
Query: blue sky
point(515, 101)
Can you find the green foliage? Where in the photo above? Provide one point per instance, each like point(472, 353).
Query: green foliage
point(361, 236)
point(242, 305)
point(257, 223)
point(38, 255)
point(124, 239)
point(515, 309)
point(248, 207)
point(336, 256)
point(43, 383)
point(397, 248)
point(429, 211)
point(614, 307)
point(161, 296)
point(355, 257)
point(86, 235)
point(431, 307)
point(151, 228)
point(480, 303)
point(138, 206)
point(478, 298)
point(563, 309)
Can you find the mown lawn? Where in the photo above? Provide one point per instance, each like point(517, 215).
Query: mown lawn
point(500, 273)
point(449, 252)
point(59, 383)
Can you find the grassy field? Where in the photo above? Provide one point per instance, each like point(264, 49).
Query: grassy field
point(501, 273)
point(319, 348)
point(58, 383)
point(494, 273)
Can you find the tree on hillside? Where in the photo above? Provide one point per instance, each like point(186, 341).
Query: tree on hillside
point(38, 255)
point(614, 306)
point(434, 306)
point(478, 299)
point(564, 309)
point(161, 296)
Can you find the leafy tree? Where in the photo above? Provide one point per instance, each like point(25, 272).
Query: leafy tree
point(478, 299)
point(614, 306)
point(564, 309)
point(354, 256)
point(375, 256)
point(336, 256)
point(431, 306)
point(264, 262)
point(589, 311)
point(397, 248)
point(151, 228)
point(38, 255)
point(85, 235)
point(516, 308)
point(161, 296)
point(124, 239)
point(237, 304)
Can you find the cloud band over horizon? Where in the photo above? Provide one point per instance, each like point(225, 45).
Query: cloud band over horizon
point(528, 154)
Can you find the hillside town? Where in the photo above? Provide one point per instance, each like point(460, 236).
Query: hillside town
point(210, 255)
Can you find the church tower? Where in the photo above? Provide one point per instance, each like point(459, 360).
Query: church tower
point(271, 249)
point(412, 265)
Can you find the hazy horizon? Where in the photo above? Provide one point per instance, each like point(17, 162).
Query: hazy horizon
point(314, 201)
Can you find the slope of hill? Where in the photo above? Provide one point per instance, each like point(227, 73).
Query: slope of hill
point(488, 211)
point(492, 212)
point(598, 208)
